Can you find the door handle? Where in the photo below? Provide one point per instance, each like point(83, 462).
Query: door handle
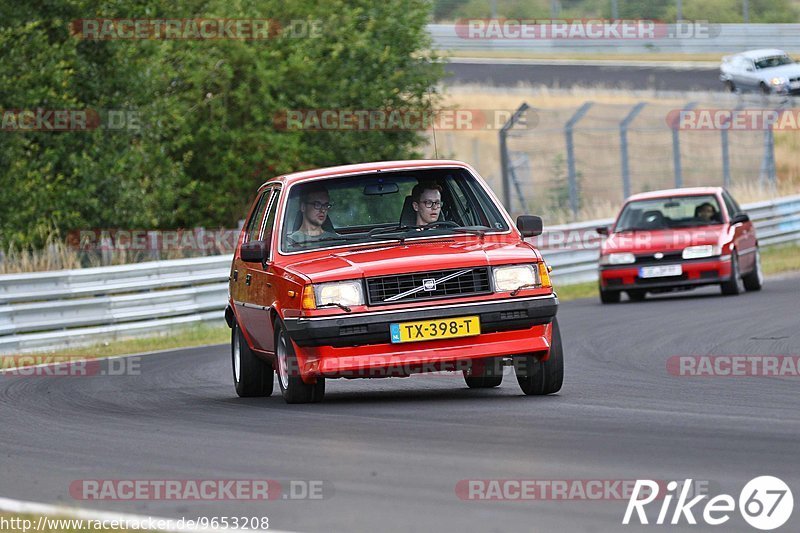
point(235, 275)
point(247, 279)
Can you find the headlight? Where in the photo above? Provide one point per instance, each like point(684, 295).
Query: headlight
point(779, 81)
point(697, 252)
point(346, 293)
point(513, 277)
point(624, 258)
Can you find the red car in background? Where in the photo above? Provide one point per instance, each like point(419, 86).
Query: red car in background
point(388, 269)
point(678, 239)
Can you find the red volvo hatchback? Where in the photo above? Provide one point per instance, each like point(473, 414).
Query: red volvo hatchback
point(679, 239)
point(388, 269)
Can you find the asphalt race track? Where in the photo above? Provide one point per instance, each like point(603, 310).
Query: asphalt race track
point(570, 75)
point(392, 451)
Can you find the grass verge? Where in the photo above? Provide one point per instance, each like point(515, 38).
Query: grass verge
point(774, 260)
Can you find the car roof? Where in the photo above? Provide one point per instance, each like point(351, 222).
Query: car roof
point(411, 164)
point(667, 193)
point(762, 52)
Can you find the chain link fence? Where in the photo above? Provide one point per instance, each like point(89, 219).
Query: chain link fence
point(575, 163)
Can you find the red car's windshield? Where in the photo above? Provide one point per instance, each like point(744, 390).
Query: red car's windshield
point(667, 213)
point(387, 205)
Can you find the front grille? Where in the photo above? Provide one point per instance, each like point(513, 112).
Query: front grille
point(649, 259)
point(473, 281)
point(647, 281)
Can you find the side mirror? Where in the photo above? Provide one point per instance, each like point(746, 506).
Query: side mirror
point(529, 225)
point(740, 218)
point(255, 252)
point(602, 230)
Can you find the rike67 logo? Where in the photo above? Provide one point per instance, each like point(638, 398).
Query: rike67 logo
point(765, 503)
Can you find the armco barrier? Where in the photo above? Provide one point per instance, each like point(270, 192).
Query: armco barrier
point(55, 310)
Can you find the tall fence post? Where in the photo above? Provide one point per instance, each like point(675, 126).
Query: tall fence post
point(767, 174)
point(504, 157)
point(572, 174)
point(676, 148)
point(623, 147)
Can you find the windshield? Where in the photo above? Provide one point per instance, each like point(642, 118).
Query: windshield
point(666, 213)
point(774, 61)
point(386, 205)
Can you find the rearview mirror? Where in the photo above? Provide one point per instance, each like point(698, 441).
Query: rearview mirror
point(602, 230)
point(529, 225)
point(740, 218)
point(255, 252)
point(381, 188)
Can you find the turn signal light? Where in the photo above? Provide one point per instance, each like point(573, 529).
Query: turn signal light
point(544, 275)
point(309, 301)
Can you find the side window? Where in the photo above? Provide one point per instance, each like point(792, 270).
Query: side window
point(730, 204)
point(256, 219)
point(271, 211)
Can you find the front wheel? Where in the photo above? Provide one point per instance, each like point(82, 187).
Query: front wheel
point(609, 297)
point(537, 377)
point(293, 388)
point(755, 279)
point(484, 373)
point(729, 85)
point(734, 285)
point(251, 375)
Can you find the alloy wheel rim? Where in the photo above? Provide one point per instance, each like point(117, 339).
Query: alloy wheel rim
point(283, 371)
point(237, 358)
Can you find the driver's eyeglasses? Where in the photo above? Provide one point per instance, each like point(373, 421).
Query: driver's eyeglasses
point(319, 206)
point(432, 203)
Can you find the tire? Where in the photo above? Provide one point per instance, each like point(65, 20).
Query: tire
point(251, 375)
point(730, 86)
point(609, 297)
point(765, 90)
point(755, 279)
point(484, 373)
point(293, 388)
point(637, 295)
point(734, 285)
point(536, 377)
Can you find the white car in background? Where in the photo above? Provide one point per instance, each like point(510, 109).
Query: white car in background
point(768, 71)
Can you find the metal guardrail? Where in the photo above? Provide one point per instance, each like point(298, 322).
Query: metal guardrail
point(55, 310)
point(714, 38)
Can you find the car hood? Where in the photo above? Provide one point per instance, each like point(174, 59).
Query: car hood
point(414, 256)
point(642, 242)
point(783, 71)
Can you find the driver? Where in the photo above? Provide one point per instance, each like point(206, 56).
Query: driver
point(705, 212)
point(314, 205)
point(426, 199)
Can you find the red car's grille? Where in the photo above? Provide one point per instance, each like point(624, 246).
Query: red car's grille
point(411, 287)
point(650, 259)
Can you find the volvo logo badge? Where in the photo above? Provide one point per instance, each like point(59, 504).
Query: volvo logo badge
point(429, 284)
point(658, 255)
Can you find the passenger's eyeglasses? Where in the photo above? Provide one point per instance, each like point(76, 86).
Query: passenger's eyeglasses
point(319, 206)
point(432, 203)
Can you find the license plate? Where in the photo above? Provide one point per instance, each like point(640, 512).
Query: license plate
point(425, 330)
point(660, 271)
point(794, 85)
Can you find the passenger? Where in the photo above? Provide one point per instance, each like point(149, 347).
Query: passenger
point(705, 212)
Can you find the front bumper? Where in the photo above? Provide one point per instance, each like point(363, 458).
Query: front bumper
point(696, 272)
point(354, 344)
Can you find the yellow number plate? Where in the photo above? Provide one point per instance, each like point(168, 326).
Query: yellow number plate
point(425, 330)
